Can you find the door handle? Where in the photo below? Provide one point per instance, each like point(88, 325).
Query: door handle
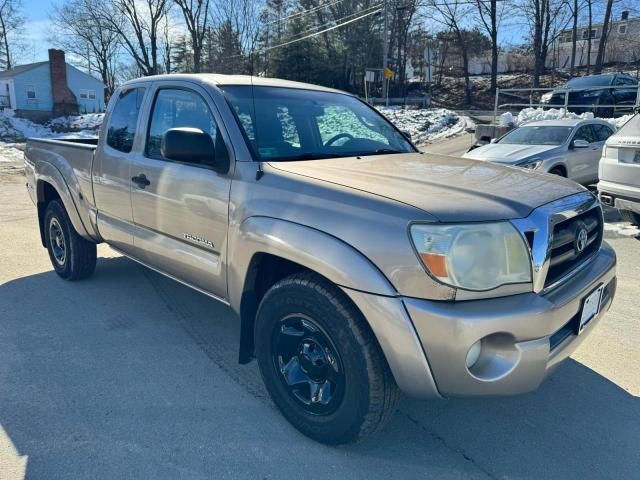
point(141, 180)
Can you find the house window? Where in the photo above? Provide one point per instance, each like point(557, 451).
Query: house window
point(622, 29)
point(92, 94)
point(83, 93)
point(585, 34)
point(31, 91)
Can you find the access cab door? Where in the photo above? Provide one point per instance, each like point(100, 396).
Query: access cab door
point(180, 209)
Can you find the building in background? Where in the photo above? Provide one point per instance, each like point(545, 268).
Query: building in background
point(623, 44)
point(43, 90)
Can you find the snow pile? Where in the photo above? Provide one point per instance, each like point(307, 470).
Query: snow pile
point(621, 230)
point(14, 131)
point(537, 114)
point(74, 123)
point(427, 124)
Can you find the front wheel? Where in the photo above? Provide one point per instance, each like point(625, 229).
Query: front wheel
point(72, 257)
point(321, 363)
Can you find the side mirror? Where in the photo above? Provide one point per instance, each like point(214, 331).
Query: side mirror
point(192, 145)
point(578, 143)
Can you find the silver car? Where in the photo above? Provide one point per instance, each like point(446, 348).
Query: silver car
point(567, 147)
point(619, 184)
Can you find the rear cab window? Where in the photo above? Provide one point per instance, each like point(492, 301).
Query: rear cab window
point(123, 120)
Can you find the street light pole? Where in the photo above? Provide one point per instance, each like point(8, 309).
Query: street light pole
point(385, 54)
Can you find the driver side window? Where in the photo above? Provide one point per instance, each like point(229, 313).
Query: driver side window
point(585, 133)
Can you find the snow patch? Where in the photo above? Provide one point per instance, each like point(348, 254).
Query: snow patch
point(427, 124)
point(621, 230)
point(536, 114)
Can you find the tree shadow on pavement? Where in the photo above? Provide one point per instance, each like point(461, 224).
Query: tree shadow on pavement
point(104, 376)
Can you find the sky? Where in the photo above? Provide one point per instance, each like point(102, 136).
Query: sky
point(512, 32)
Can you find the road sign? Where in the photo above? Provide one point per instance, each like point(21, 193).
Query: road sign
point(388, 73)
point(370, 76)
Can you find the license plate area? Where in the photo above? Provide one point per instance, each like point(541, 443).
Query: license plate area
point(590, 308)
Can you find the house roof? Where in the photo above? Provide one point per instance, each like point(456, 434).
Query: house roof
point(12, 72)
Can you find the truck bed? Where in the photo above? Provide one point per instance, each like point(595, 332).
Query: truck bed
point(73, 157)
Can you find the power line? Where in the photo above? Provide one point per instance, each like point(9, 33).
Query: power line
point(304, 12)
point(320, 32)
point(346, 17)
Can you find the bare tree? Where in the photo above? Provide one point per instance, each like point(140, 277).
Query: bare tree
point(11, 20)
point(603, 38)
point(546, 18)
point(574, 34)
point(80, 30)
point(488, 13)
point(196, 15)
point(451, 13)
point(590, 11)
point(139, 23)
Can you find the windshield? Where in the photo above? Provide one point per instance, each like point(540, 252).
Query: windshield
point(294, 124)
point(537, 135)
point(591, 81)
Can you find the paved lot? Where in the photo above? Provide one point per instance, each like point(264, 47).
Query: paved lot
point(129, 375)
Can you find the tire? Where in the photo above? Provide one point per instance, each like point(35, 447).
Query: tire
point(630, 217)
point(557, 171)
point(309, 334)
point(604, 112)
point(72, 257)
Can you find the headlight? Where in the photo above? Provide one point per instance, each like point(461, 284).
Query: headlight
point(479, 256)
point(546, 97)
point(532, 164)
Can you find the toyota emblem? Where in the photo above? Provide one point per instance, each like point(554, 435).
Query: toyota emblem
point(581, 239)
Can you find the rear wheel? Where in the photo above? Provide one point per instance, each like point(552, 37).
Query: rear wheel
point(631, 217)
point(558, 171)
point(72, 257)
point(321, 363)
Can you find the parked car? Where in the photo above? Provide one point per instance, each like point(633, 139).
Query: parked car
point(569, 148)
point(619, 184)
point(605, 95)
point(358, 266)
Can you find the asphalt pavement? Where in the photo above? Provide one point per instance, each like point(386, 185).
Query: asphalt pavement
point(131, 375)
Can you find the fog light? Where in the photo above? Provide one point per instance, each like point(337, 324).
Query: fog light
point(473, 354)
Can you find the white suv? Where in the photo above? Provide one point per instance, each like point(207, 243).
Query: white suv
point(619, 171)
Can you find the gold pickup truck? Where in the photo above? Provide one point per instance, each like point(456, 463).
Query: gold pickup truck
point(359, 267)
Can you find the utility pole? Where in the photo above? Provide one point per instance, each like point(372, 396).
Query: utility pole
point(385, 54)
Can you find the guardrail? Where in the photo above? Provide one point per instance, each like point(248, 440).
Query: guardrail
point(423, 101)
point(565, 105)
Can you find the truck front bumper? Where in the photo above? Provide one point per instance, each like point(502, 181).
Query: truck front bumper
point(522, 337)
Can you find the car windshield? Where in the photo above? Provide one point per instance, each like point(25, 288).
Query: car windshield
point(590, 81)
point(284, 124)
point(548, 135)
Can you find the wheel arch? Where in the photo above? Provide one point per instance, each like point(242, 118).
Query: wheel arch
point(268, 249)
point(51, 185)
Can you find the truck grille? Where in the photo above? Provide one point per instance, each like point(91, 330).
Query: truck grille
point(564, 247)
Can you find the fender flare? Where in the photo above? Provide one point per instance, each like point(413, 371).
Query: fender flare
point(318, 251)
point(47, 173)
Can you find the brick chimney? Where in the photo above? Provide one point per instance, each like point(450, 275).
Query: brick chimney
point(64, 101)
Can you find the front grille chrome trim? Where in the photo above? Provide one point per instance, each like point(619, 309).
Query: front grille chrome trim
point(541, 223)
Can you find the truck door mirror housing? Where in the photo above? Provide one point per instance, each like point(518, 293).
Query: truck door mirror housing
point(192, 145)
point(578, 143)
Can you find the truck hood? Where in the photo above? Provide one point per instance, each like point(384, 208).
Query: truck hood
point(449, 188)
point(508, 153)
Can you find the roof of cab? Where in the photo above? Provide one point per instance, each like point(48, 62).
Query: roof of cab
point(220, 79)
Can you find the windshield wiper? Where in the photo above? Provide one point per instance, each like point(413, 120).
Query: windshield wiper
point(308, 156)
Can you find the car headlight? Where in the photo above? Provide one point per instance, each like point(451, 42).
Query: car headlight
point(531, 164)
point(480, 256)
point(546, 97)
